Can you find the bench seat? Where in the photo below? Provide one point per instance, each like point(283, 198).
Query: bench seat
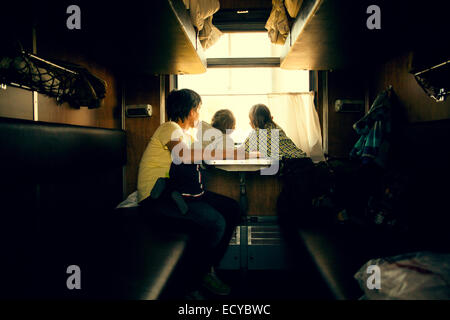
point(339, 251)
point(60, 185)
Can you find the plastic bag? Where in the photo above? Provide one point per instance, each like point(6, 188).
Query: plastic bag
point(413, 276)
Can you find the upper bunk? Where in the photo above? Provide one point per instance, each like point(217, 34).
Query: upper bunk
point(132, 37)
point(334, 34)
point(159, 37)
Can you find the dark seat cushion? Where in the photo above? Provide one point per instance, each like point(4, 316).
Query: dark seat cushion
point(119, 257)
point(60, 184)
point(146, 258)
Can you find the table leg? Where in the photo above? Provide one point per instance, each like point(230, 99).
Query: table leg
point(243, 202)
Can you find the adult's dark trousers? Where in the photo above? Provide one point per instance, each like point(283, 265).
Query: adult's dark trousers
point(210, 222)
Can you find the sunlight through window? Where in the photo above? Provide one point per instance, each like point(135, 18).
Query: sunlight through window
point(238, 89)
point(243, 45)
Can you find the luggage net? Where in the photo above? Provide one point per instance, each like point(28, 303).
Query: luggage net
point(66, 82)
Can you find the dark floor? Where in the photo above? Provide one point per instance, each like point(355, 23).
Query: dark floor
point(272, 285)
point(300, 280)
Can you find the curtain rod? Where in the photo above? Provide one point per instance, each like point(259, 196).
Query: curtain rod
point(255, 94)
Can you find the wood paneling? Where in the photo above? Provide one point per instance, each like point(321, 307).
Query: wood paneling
point(222, 182)
point(55, 41)
point(417, 105)
point(343, 85)
point(333, 34)
point(17, 103)
point(326, 35)
point(262, 191)
point(157, 37)
point(108, 115)
point(140, 90)
point(352, 84)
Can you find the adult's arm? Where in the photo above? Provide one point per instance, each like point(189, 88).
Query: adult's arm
point(188, 155)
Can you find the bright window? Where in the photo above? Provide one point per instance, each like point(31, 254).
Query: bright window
point(243, 45)
point(238, 89)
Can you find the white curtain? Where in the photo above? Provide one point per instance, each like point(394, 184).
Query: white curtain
point(297, 116)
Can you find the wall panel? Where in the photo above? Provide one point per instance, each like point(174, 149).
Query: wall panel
point(140, 90)
point(343, 84)
point(262, 191)
point(417, 105)
point(108, 115)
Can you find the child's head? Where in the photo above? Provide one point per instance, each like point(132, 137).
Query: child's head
point(183, 105)
point(223, 120)
point(260, 116)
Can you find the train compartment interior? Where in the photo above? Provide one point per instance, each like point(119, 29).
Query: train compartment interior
point(84, 86)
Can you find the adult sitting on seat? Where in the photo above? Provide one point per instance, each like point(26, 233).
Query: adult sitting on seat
point(211, 218)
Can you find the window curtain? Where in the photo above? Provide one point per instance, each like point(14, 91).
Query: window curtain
point(297, 116)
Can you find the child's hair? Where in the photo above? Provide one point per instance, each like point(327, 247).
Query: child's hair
point(260, 116)
point(223, 120)
point(180, 103)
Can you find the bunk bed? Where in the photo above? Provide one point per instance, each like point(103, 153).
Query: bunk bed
point(136, 38)
point(323, 36)
point(159, 39)
point(169, 44)
point(334, 34)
